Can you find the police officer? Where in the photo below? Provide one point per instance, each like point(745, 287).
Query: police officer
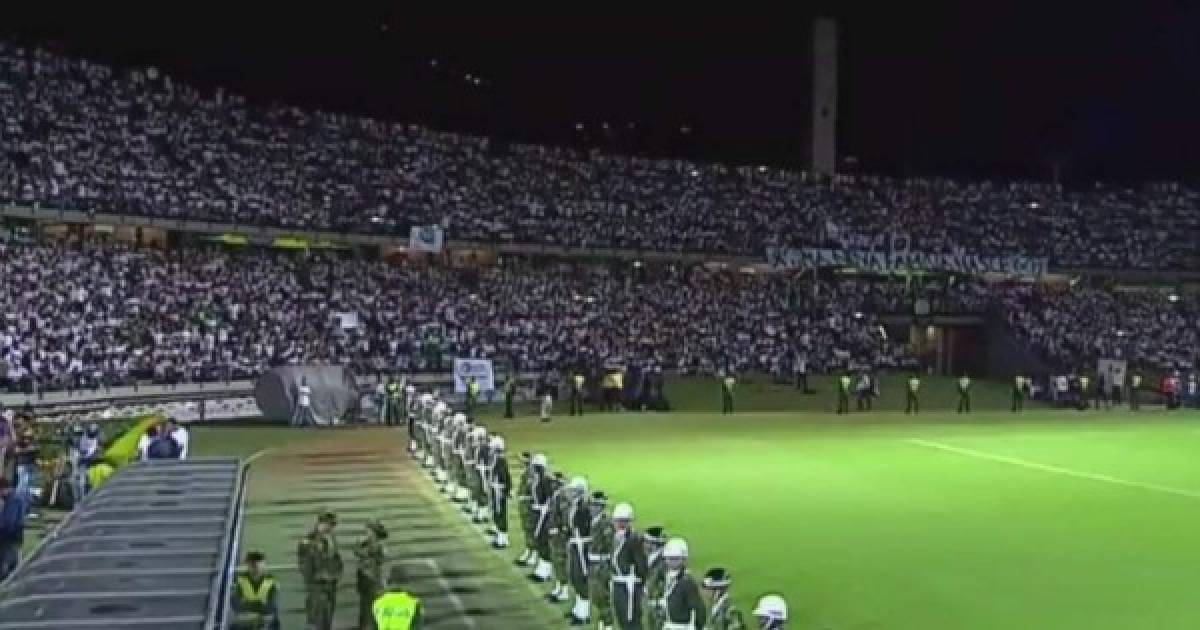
point(472, 395)
point(599, 554)
point(525, 510)
point(397, 610)
point(724, 614)
point(255, 596)
point(579, 541)
point(1135, 383)
point(577, 390)
point(912, 405)
point(964, 393)
point(681, 601)
point(627, 565)
point(727, 385)
point(369, 576)
point(771, 612)
point(510, 393)
point(1018, 393)
point(501, 482)
point(844, 382)
point(656, 576)
point(321, 567)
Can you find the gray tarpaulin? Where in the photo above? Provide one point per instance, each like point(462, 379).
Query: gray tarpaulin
point(334, 392)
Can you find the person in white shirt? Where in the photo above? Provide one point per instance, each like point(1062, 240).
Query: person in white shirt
point(180, 435)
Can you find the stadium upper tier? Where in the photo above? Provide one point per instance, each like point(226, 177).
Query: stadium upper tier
point(84, 136)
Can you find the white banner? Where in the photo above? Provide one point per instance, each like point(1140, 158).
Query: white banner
point(481, 369)
point(893, 261)
point(1111, 371)
point(425, 238)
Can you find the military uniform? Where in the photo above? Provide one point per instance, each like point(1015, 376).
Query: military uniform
point(370, 575)
point(656, 572)
point(599, 566)
point(472, 396)
point(543, 494)
point(559, 536)
point(579, 541)
point(255, 599)
point(682, 604)
point(501, 488)
point(723, 615)
point(628, 568)
point(525, 510)
point(321, 567)
point(481, 478)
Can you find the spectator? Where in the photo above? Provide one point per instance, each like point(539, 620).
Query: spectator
point(14, 507)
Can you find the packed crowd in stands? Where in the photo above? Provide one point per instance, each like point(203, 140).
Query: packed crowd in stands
point(86, 315)
point(1076, 326)
point(84, 136)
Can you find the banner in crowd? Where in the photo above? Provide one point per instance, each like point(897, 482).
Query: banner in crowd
point(425, 238)
point(1111, 372)
point(481, 369)
point(897, 261)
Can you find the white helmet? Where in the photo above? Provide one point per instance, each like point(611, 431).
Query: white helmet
point(540, 460)
point(459, 418)
point(479, 432)
point(497, 443)
point(675, 548)
point(578, 484)
point(441, 407)
point(623, 512)
point(772, 607)
point(426, 399)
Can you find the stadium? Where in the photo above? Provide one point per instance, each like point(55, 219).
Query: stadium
point(412, 336)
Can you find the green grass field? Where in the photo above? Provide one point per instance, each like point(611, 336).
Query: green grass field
point(1053, 520)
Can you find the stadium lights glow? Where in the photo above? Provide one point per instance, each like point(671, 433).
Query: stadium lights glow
point(762, 169)
point(578, 126)
point(1174, 297)
point(858, 315)
point(695, 173)
point(1033, 204)
point(591, 299)
point(376, 219)
point(1121, 333)
point(637, 264)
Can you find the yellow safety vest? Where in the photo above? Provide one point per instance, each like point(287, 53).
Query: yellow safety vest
point(729, 383)
point(473, 388)
point(394, 611)
point(1018, 382)
point(619, 380)
point(964, 383)
point(254, 600)
point(914, 384)
point(845, 382)
point(579, 381)
point(1136, 380)
point(1083, 383)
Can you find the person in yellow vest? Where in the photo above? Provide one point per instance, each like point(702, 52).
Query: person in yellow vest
point(472, 395)
point(397, 610)
point(1135, 383)
point(255, 596)
point(727, 384)
point(844, 383)
point(912, 405)
point(964, 394)
point(1084, 382)
point(577, 383)
point(1018, 393)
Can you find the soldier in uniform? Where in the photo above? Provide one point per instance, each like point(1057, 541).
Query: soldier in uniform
point(628, 568)
point(255, 598)
point(771, 612)
point(370, 575)
point(501, 487)
point(321, 567)
point(480, 482)
point(542, 485)
point(599, 554)
point(560, 503)
point(579, 540)
point(525, 510)
point(656, 576)
point(723, 615)
point(681, 600)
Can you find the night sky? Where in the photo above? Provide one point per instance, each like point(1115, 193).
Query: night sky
point(1007, 90)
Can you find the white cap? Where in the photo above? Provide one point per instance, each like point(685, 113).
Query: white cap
point(772, 607)
point(675, 548)
point(623, 511)
point(497, 443)
point(540, 460)
point(578, 483)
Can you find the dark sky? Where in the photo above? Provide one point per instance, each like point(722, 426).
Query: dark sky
point(961, 88)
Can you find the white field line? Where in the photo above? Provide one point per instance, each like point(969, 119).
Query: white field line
point(1057, 470)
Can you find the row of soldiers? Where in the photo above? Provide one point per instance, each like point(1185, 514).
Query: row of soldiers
point(612, 575)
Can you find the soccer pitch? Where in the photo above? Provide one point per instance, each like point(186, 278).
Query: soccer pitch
point(1050, 520)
